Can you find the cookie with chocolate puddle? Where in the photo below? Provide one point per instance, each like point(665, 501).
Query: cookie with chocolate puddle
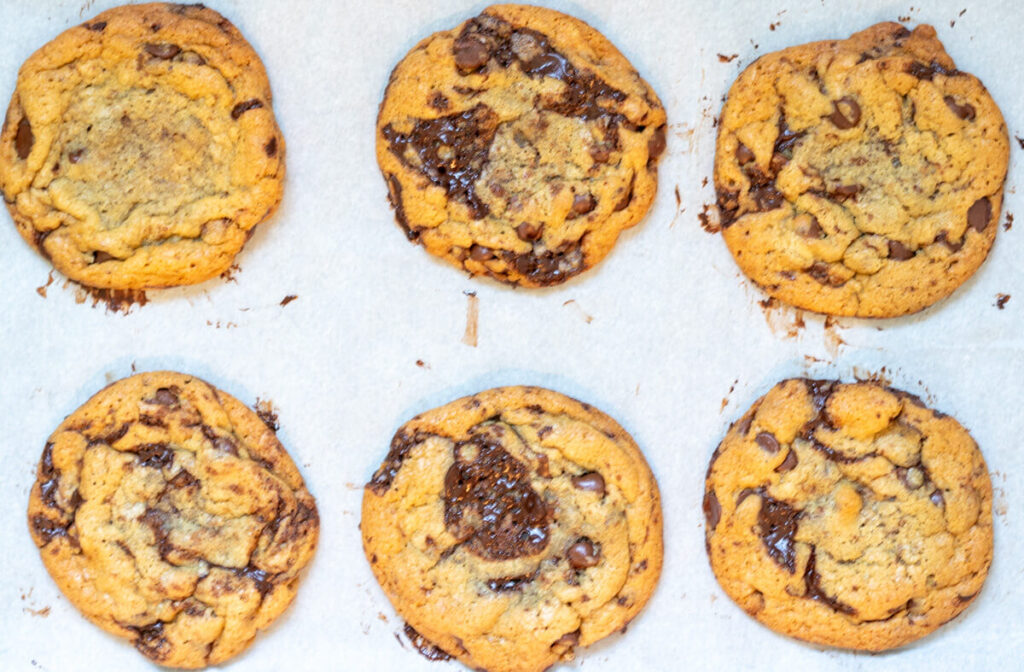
point(140, 148)
point(532, 516)
point(860, 177)
point(519, 145)
point(169, 514)
point(849, 515)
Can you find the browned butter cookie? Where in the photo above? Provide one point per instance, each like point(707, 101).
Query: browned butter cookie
point(860, 176)
point(170, 515)
point(848, 514)
point(512, 526)
point(519, 145)
point(140, 148)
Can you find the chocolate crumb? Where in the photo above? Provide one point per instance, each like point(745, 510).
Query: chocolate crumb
point(288, 299)
point(265, 410)
point(1001, 300)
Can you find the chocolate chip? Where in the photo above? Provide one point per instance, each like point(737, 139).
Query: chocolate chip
point(788, 464)
point(583, 554)
point(165, 397)
point(767, 197)
point(583, 203)
point(480, 253)
point(965, 111)
point(979, 214)
point(844, 192)
point(589, 482)
point(812, 229)
point(508, 584)
point(927, 72)
point(438, 101)
point(768, 442)
point(47, 529)
point(548, 267)
point(182, 479)
point(712, 510)
point(599, 153)
point(99, 256)
point(899, 251)
point(845, 113)
point(163, 50)
point(656, 145)
point(744, 155)
point(152, 643)
point(76, 156)
point(98, 26)
point(529, 232)
point(225, 445)
point(567, 641)
point(470, 54)
point(427, 649)
point(24, 139)
point(943, 238)
point(243, 107)
point(271, 147)
point(937, 499)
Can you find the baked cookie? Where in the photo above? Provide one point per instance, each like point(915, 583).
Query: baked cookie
point(169, 514)
point(861, 176)
point(848, 514)
point(519, 145)
point(140, 148)
point(531, 516)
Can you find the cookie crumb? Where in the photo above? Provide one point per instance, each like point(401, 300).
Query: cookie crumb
point(722, 58)
point(423, 365)
point(472, 319)
point(707, 217)
point(1001, 300)
point(288, 299)
point(42, 613)
point(115, 300)
point(588, 318)
point(229, 274)
point(265, 410)
point(1008, 224)
point(41, 290)
point(1020, 141)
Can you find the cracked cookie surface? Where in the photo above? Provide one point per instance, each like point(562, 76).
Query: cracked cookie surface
point(519, 145)
point(169, 514)
point(848, 514)
point(532, 516)
point(140, 148)
point(860, 177)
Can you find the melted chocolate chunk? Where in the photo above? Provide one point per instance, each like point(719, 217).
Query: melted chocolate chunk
point(183, 479)
point(845, 113)
point(768, 442)
point(567, 641)
point(49, 476)
point(583, 554)
point(845, 192)
point(508, 584)
point(728, 206)
point(99, 256)
point(813, 229)
point(452, 152)
point(627, 197)
point(927, 72)
point(156, 521)
point(395, 197)
point(812, 581)
point(24, 139)
point(76, 156)
point(47, 529)
point(767, 197)
point(777, 523)
point(97, 27)
point(979, 214)
point(966, 111)
point(427, 649)
point(788, 464)
point(164, 397)
point(744, 155)
point(582, 204)
point(952, 246)
point(164, 51)
point(271, 147)
point(548, 267)
point(263, 581)
point(487, 37)
point(243, 107)
point(656, 146)
point(712, 510)
point(401, 444)
point(438, 101)
point(152, 643)
point(589, 482)
point(154, 455)
point(899, 251)
point(490, 506)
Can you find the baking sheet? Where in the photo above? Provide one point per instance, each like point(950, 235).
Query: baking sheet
point(665, 335)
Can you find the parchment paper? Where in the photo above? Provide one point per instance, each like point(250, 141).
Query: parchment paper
point(665, 335)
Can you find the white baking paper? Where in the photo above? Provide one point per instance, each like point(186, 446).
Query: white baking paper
point(665, 335)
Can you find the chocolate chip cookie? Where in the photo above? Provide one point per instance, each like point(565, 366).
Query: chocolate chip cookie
point(849, 515)
point(519, 145)
point(140, 149)
point(169, 514)
point(861, 176)
point(512, 526)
